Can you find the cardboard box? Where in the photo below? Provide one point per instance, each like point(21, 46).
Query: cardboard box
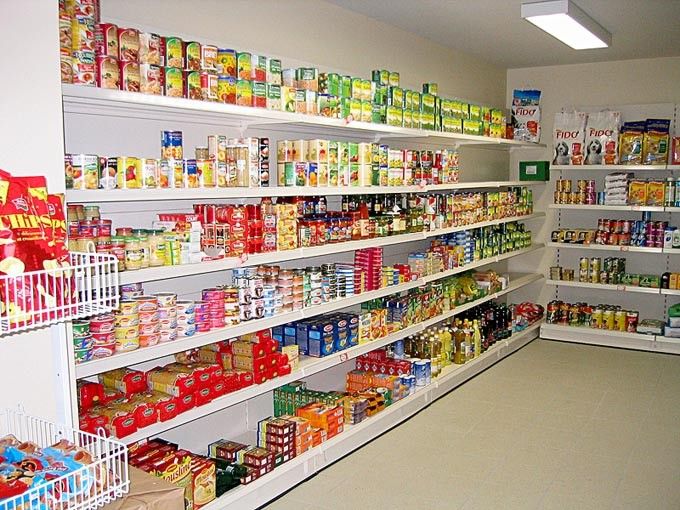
point(148, 492)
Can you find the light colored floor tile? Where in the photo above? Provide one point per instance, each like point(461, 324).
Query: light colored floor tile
point(554, 426)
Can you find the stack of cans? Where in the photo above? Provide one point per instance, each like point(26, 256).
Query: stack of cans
point(186, 318)
point(284, 289)
point(214, 297)
point(328, 282)
point(202, 316)
point(232, 314)
point(149, 321)
point(299, 288)
point(313, 275)
point(167, 314)
point(103, 336)
point(368, 262)
point(344, 275)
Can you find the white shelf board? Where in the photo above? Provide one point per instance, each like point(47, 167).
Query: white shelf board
point(116, 103)
point(628, 168)
point(603, 286)
point(168, 272)
point(671, 292)
point(607, 338)
point(300, 468)
point(597, 207)
point(171, 194)
point(141, 355)
point(607, 247)
point(309, 366)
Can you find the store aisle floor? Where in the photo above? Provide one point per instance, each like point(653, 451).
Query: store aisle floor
point(555, 425)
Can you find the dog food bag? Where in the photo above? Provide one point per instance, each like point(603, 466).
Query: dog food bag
point(526, 115)
point(569, 138)
point(655, 142)
point(630, 143)
point(602, 138)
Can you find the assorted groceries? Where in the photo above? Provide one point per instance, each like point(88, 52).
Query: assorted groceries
point(620, 188)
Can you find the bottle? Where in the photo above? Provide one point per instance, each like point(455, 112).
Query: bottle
point(469, 344)
point(669, 192)
point(665, 280)
point(445, 337)
point(677, 192)
point(345, 203)
point(459, 342)
point(476, 338)
point(435, 355)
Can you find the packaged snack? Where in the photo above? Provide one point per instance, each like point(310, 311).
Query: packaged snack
point(655, 193)
point(630, 143)
point(569, 138)
point(602, 137)
point(674, 158)
point(526, 115)
point(655, 142)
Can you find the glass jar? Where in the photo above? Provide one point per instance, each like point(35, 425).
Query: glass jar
point(118, 249)
point(144, 246)
point(133, 254)
point(156, 248)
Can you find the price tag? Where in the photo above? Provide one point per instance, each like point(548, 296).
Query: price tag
point(343, 357)
point(621, 287)
point(623, 248)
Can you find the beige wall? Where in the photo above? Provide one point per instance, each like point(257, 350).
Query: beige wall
point(319, 33)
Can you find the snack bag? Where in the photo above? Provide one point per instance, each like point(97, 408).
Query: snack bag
point(602, 137)
point(568, 138)
point(526, 115)
point(630, 144)
point(655, 142)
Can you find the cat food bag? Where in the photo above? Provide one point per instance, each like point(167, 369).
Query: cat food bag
point(569, 138)
point(630, 143)
point(602, 138)
point(655, 142)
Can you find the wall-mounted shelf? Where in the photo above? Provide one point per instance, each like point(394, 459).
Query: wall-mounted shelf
point(609, 247)
point(598, 207)
point(605, 286)
point(615, 168)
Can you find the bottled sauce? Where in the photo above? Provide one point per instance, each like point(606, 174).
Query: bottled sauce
point(476, 338)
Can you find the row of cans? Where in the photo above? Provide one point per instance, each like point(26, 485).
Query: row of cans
point(582, 186)
point(602, 316)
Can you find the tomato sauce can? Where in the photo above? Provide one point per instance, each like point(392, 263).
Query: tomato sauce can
point(106, 40)
point(192, 53)
point(173, 82)
point(108, 72)
point(128, 44)
point(226, 62)
point(173, 50)
point(150, 79)
point(226, 89)
point(192, 85)
point(129, 76)
point(209, 86)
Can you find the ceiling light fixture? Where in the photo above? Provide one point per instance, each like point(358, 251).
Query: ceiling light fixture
point(567, 22)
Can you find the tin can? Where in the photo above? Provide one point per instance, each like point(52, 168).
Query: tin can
point(85, 171)
point(608, 319)
point(631, 322)
point(226, 89)
point(108, 72)
point(620, 320)
point(226, 62)
point(209, 86)
point(597, 318)
point(130, 78)
point(420, 372)
point(174, 52)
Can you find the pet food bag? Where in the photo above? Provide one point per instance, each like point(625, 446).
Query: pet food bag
point(569, 138)
point(655, 142)
point(602, 138)
point(630, 143)
point(526, 115)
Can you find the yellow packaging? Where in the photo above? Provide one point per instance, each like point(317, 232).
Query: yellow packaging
point(204, 480)
point(655, 193)
point(637, 193)
point(129, 173)
point(317, 150)
point(673, 283)
point(655, 148)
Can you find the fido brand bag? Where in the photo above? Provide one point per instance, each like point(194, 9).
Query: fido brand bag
point(602, 138)
point(569, 138)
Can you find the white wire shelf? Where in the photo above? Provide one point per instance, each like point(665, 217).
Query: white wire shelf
point(124, 359)
point(606, 286)
point(609, 247)
point(88, 285)
point(309, 365)
point(117, 103)
point(168, 272)
point(300, 468)
point(171, 194)
point(610, 168)
point(606, 338)
point(101, 480)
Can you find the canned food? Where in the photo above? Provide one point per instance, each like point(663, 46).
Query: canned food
point(608, 319)
point(147, 303)
point(81, 328)
point(126, 332)
point(126, 321)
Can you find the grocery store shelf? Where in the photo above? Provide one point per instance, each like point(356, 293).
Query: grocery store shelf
point(597, 207)
point(167, 272)
point(125, 359)
point(603, 286)
point(171, 194)
point(585, 335)
point(608, 247)
point(628, 168)
point(116, 103)
point(671, 292)
point(300, 468)
point(309, 366)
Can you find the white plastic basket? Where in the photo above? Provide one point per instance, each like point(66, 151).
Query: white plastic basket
point(91, 486)
point(89, 286)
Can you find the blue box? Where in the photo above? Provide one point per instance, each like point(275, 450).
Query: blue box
point(321, 338)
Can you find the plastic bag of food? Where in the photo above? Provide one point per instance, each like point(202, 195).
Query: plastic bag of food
point(602, 138)
point(569, 138)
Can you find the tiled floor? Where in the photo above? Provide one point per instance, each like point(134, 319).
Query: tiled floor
point(556, 425)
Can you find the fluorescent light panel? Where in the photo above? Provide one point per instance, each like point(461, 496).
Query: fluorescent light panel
point(567, 22)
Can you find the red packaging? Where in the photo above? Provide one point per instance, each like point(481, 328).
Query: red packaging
point(106, 39)
point(245, 378)
point(186, 403)
point(165, 405)
point(203, 396)
point(90, 394)
point(218, 389)
point(172, 383)
point(128, 45)
point(130, 79)
point(120, 423)
point(284, 369)
point(124, 380)
point(232, 380)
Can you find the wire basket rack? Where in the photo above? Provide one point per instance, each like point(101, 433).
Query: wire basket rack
point(87, 286)
point(102, 478)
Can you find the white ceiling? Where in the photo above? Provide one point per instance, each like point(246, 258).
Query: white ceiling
point(494, 31)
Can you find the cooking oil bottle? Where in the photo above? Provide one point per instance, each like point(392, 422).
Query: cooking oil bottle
point(435, 354)
point(459, 341)
point(446, 340)
point(476, 338)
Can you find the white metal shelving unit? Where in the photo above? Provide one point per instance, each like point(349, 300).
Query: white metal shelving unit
point(125, 109)
point(604, 286)
point(615, 168)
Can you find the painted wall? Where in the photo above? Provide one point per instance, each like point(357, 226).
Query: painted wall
point(32, 144)
point(653, 85)
point(320, 33)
